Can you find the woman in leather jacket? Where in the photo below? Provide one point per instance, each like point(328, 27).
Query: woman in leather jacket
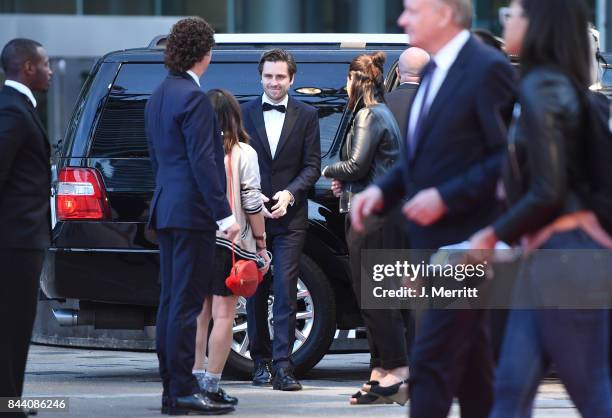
point(545, 171)
point(371, 147)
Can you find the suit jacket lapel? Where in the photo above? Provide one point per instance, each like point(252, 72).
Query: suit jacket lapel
point(25, 102)
point(448, 88)
point(40, 126)
point(290, 118)
point(256, 115)
point(37, 120)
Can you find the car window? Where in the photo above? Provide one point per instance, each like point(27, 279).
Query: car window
point(120, 131)
point(607, 77)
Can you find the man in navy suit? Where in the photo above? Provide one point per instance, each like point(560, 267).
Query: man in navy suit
point(25, 183)
point(285, 134)
point(188, 205)
point(455, 143)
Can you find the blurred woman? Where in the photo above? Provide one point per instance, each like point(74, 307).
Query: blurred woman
point(370, 149)
point(250, 243)
point(545, 173)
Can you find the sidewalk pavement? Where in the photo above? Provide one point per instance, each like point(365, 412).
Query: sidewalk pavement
point(107, 384)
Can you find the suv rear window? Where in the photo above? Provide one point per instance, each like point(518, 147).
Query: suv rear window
point(120, 131)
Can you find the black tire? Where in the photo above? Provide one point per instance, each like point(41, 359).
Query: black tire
point(321, 334)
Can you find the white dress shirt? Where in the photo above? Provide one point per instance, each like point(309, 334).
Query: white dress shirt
point(274, 120)
point(195, 77)
point(21, 88)
point(444, 59)
point(224, 223)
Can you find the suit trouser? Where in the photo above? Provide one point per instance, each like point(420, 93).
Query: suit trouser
point(19, 286)
point(186, 258)
point(451, 357)
point(286, 250)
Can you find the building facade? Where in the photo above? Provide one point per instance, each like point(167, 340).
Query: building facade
point(77, 32)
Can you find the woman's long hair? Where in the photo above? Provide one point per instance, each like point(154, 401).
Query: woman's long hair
point(368, 84)
point(557, 36)
point(229, 117)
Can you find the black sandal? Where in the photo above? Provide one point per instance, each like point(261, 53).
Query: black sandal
point(372, 383)
point(397, 392)
point(369, 399)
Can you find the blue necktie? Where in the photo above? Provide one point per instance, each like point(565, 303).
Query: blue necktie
point(413, 140)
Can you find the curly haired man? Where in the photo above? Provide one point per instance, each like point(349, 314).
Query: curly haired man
point(188, 206)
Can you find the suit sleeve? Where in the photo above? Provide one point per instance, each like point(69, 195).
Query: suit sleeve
point(494, 108)
point(311, 162)
point(12, 124)
point(199, 130)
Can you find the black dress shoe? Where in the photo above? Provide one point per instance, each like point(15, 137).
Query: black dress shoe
point(221, 397)
point(284, 380)
point(197, 404)
point(262, 375)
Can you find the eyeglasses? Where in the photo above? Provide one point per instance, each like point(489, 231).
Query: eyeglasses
point(505, 13)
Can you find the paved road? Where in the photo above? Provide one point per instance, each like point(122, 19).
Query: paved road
point(125, 384)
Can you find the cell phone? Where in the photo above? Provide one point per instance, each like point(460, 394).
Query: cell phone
point(269, 204)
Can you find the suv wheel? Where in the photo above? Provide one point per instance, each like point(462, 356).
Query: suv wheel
point(315, 325)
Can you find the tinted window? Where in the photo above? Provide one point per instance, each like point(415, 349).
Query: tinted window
point(607, 77)
point(120, 132)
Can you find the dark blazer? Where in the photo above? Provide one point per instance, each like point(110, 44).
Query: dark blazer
point(370, 149)
point(297, 164)
point(461, 147)
point(25, 174)
point(399, 101)
point(187, 157)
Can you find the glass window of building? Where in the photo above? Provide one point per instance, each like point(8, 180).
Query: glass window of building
point(118, 7)
point(38, 6)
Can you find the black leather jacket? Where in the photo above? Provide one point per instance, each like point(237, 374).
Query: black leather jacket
point(370, 149)
point(546, 160)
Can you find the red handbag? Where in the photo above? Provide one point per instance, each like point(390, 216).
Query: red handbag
point(244, 276)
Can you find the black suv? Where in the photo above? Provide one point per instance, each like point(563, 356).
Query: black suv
point(102, 267)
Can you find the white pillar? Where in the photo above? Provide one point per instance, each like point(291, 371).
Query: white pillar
point(371, 16)
point(271, 16)
point(231, 16)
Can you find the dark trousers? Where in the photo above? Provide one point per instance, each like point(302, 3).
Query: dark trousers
point(576, 341)
point(390, 331)
point(19, 286)
point(186, 258)
point(451, 358)
point(286, 251)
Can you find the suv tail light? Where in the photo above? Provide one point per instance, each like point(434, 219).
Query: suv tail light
point(81, 195)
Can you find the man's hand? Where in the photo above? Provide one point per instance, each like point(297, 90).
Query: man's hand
point(264, 209)
point(232, 231)
point(426, 207)
point(364, 204)
point(336, 187)
point(280, 209)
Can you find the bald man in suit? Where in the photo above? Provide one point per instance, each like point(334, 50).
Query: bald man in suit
point(409, 67)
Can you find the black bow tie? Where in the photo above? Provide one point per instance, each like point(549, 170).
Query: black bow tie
point(267, 106)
